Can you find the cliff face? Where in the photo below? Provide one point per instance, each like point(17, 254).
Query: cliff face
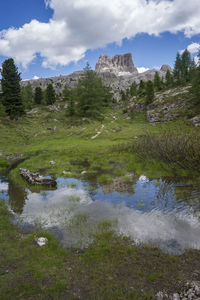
point(118, 72)
point(119, 65)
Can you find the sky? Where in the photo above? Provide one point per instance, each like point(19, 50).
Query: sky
point(56, 37)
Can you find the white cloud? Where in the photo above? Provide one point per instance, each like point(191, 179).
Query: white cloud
point(196, 60)
point(36, 77)
point(194, 47)
point(156, 68)
point(142, 69)
point(78, 25)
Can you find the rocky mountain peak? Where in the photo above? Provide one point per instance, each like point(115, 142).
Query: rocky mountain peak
point(165, 68)
point(119, 64)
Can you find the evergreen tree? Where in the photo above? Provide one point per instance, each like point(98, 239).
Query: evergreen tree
point(177, 69)
point(157, 82)
point(141, 89)
point(92, 96)
point(123, 96)
point(192, 70)
point(149, 91)
point(71, 103)
point(27, 95)
point(50, 95)
point(38, 95)
point(196, 82)
point(10, 83)
point(133, 89)
point(168, 79)
point(186, 63)
point(66, 93)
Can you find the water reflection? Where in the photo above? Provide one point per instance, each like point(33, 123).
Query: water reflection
point(17, 197)
point(157, 211)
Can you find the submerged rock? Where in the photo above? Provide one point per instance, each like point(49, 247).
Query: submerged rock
point(36, 178)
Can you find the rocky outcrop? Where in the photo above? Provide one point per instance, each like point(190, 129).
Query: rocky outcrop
point(190, 291)
point(169, 105)
point(118, 73)
point(119, 65)
point(196, 121)
point(166, 68)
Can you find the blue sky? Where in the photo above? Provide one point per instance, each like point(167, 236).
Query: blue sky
point(54, 37)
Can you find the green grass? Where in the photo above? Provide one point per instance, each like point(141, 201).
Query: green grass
point(32, 139)
point(112, 267)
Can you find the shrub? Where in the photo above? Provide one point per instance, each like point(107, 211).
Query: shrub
point(175, 149)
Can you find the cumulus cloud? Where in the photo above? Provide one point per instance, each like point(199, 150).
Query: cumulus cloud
point(35, 77)
point(142, 69)
point(79, 25)
point(194, 47)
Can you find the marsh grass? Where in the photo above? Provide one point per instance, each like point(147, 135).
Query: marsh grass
point(175, 149)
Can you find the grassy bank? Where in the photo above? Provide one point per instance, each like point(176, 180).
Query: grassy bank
point(71, 143)
point(111, 268)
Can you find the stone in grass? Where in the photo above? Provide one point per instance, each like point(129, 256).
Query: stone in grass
point(84, 172)
point(52, 162)
point(41, 241)
point(67, 173)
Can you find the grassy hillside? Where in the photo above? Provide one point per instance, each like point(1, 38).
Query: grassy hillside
point(113, 267)
point(77, 145)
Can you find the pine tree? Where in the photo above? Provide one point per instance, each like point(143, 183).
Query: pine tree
point(10, 83)
point(50, 95)
point(177, 69)
point(186, 63)
point(149, 91)
point(71, 103)
point(92, 95)
point(196, 82)
point(38, 95)
point(157, 82)
point(141, 89)
point(66, 93)
point(133, 89)
point(123, 96)
point(168, 79)
point(27, 95)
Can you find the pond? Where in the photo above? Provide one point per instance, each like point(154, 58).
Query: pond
point(164, 212)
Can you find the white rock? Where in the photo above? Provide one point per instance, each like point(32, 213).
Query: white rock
point(52, 162)
point(159, 296)
point(197, 290)
point(41, 241)
point(66, 173)
point(84, 172)
point(176, 296)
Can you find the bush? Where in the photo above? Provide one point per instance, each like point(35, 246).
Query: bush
point(174, 149)
point(2, 111)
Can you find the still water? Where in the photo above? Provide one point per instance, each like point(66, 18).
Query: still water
point(164, 212)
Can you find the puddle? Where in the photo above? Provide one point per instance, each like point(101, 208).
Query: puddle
point(159, 212)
